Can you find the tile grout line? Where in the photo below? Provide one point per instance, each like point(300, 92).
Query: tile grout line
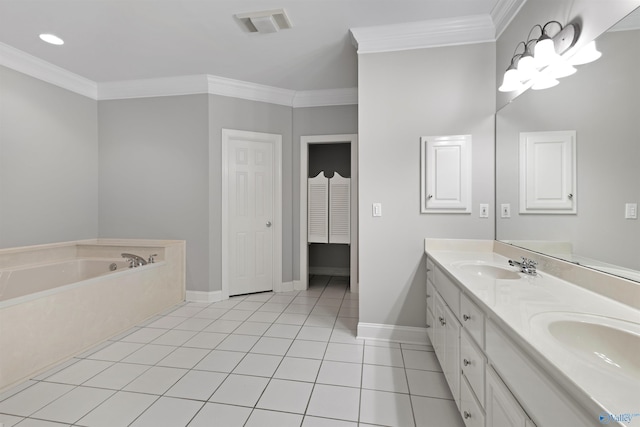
point(307, 315)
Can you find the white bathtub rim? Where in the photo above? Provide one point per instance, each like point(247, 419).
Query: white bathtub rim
point(70, 286)
point(59, 261)
point(100, 241)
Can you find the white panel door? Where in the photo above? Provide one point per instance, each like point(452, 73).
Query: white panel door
point(548, 172)
point(250, 216)
point(446, 174)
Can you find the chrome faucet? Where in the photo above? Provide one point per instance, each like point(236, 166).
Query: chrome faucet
point(134, 260)
point(527, 266)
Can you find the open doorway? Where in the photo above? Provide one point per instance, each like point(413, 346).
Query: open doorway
point(329, 154)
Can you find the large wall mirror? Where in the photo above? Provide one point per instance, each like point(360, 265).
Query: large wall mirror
point(601, 103)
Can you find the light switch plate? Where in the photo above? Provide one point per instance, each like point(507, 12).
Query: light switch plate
point(377, 209)
point(505, 210)
point(631, 211)
point(484, 210)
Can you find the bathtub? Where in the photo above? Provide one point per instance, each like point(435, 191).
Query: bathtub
point(28, 282)
point(56, 301)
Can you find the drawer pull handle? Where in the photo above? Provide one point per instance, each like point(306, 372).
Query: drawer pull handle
point(466, 362)
point(467, 415)
point(466, 317)
point(442, 322)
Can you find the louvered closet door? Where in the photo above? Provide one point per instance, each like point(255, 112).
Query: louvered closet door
point(339, 209)
point(318, 209)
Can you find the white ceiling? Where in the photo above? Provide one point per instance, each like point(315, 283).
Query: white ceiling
point(115, 40)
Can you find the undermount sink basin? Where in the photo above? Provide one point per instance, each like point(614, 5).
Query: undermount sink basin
point(603, 342)
point(488, 271)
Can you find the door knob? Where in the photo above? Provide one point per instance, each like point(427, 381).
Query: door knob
point(268, 223)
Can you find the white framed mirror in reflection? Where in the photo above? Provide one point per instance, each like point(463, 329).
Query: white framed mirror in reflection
point(601, 103)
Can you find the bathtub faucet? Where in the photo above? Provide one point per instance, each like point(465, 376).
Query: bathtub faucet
point(134, 260)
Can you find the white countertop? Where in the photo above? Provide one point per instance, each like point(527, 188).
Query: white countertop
point(522, 307)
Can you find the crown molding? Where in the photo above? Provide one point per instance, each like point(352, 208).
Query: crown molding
point(424, 34)
point(171, 86)
point(320, 98)
point(30, 65)
point(214, 85)
point(250, 91)
point(503, 13)
point(147, 88)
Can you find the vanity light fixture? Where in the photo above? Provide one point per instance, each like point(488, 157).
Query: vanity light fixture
point(527, 67)
point(51, 39)
point(545, 49)
point(545, 65)
point(561, 68)
point(588, 53)
point(544, 81)
point(511, 81)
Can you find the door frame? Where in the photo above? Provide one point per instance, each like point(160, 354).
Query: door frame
point(228, 136)
point(305, 141)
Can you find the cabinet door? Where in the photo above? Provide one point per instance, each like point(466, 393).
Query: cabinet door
point(430, 325)
point(548, 172)
point(502, 408)
point(438, 328)
point(451, 366)
point(446, 174)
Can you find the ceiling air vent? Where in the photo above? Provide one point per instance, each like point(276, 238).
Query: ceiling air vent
point(267, 21)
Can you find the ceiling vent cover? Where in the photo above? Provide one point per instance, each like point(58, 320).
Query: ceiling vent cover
point(267, 21)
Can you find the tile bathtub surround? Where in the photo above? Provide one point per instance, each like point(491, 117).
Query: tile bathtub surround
point(286, 359)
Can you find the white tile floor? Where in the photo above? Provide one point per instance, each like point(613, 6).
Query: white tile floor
point(287, 359)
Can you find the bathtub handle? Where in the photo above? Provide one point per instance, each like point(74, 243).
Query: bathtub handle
point(151, 258)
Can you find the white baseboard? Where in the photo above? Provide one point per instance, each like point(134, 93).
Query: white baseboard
point(284, 287)
point(330, 271)
point(298, 286)
point(203, 296)
point(392, 333)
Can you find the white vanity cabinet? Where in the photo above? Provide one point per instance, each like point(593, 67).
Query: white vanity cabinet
point(503, 409)
point(443, 311)
point(456, 328)
point(447, 344)
point(430, 300)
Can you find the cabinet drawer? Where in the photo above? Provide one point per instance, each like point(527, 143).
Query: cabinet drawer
point(448, 290)
point(472, 320)
point(472, 414)
point(473, 363)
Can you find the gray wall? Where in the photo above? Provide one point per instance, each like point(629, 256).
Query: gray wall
point(154, 174)
point(48, 163)
point(330, 120)
point(601, 102)
point(240, 114)
point(403, 96)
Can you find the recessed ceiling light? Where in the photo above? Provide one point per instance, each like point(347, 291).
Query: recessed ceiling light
point(51, 39)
